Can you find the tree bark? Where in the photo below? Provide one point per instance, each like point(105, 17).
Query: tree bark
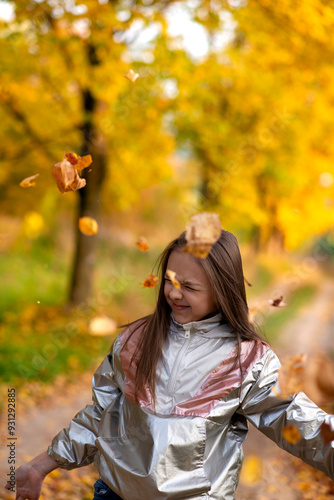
point(89, 198)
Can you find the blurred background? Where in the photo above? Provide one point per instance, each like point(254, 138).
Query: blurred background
point(231, 112)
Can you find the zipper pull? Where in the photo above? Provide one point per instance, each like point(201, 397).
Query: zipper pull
point(187, 334)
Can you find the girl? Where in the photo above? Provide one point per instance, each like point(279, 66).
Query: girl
point(172, 401)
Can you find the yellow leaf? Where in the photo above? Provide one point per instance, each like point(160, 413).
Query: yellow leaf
point(29, 181)
point(102, 325)
point(291, 434)
point(171, 275)
point(88, 226)
point(79, 162)
point(202, 232)
point(131, 75)
point(252, 470)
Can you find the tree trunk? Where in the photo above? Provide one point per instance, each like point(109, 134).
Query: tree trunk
point(89, 205)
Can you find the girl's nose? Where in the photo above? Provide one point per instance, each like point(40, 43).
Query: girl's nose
point(175, 293)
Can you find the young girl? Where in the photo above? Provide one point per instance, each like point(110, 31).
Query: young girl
point(172, 401)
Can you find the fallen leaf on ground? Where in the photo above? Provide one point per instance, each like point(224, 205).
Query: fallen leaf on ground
point(252, 470)
point(291, 434)
point(142, 244)
point(150, 282)
point(102, 325)
point(327, 433)
point(29, 181)
point(79, 162)
point(88, 226)
point(172, 276)
point(202, 232)
point(277, 302)
point(131, 75)
point(67, 177)
point(291, 376)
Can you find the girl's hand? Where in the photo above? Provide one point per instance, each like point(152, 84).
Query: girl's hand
point(28, 483)
point(29, 477)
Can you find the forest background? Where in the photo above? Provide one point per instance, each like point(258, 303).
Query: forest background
point(232, 112)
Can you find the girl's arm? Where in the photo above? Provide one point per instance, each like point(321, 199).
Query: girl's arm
point(74, 446)
point(29, 477)
point(271, 414)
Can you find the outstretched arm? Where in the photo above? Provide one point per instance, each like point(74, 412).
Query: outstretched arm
point(271, 415)
point(29, 477)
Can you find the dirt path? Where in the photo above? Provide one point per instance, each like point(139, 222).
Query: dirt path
point(312, 328)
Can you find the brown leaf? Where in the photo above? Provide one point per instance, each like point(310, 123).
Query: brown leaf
point(142, 244)
point(150, 282)
point(67, 177)
point(29, 181)
point(171, 275)
point(291, 434)
point(202, 232)
point(88, 226)
point(327, 433)
point(79, 162)
point(291, 376)
point(131, 75)
point(277, 302)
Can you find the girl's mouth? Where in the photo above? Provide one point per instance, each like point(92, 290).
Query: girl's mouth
point(179, 307)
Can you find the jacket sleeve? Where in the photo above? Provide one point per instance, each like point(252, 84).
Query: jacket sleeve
point(270, 414)
point(74, 446)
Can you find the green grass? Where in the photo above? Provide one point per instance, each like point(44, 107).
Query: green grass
point(275, 322)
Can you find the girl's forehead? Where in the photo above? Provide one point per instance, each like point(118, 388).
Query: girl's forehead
point(187, 269)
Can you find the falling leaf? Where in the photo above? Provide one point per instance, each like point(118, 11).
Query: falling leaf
point(291, 434)
point(277, 302)
point(131, 75)
point(67, 177)
point(150, 282)
point(291, 376)
point(142, 244)
point(79, 162)
point(172, 276)
point(202, 232)
point(252, 470)
point(327, 433)
point(88, 226)
point(102, 325)
point(29, 181)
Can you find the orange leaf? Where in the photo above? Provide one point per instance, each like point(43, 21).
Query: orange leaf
point(291, 376)
point(150, 282)
point(29, 181)
point(277, 302)
point(171, 275)
point(131, 75)
point(142, 244)
point(88, 226)
point(67, 177)
point(79, 162)
point(327, 433)
point(202, 232)
point(291, 434)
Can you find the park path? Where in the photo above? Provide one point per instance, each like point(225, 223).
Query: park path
point(312, 328)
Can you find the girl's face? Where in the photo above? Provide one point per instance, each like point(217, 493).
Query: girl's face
point(194, 300)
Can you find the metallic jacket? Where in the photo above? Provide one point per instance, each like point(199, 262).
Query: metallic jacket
point(189, 445)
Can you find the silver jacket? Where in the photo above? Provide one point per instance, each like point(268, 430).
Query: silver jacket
point(189, 445)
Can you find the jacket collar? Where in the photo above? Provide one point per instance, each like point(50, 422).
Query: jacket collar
point(213, 327)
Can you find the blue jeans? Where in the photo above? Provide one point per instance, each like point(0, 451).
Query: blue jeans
point(103, 492)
